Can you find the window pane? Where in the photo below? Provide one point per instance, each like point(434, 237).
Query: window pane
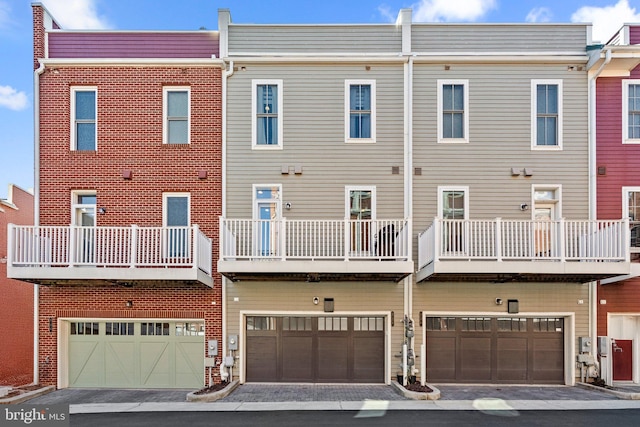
point(360, 125)
point(457, 128)
point(551, 126)
point(178, 131)
point(85, 136)
point(178, 104)
point(86, 199)
point(177, 211)
point(458, 97)
point(267, 130)
point(85, 105)
point(267, 99)
point(360, 97)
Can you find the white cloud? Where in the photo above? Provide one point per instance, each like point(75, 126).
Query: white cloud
point(76, 14)
point(606, 20)
point(5, 11)
point(12, 99)
point(539, 14)
point(385, 12)
point(451, 10)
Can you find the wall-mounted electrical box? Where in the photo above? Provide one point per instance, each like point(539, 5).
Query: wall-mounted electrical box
point(584, 344)
point(212, 348)
point(233, 342)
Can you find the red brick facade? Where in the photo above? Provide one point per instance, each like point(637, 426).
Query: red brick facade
point(129, 128)
point(16, 299)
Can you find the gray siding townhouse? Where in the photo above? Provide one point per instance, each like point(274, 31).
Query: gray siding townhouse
point(408, 200)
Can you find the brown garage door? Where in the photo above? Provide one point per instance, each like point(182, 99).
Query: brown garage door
point(315, 349)
point(495, 350)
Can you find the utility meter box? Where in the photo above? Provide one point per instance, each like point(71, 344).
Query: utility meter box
point(212, 348)
point(233, 342)
point(584, 344)
point(603, 346)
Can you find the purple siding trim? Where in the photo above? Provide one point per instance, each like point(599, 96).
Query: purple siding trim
point(634, 34)
point(133, 45)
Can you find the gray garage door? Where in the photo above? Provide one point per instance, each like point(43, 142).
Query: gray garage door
point(315, 349)
point(495, 350)
point(136, 354)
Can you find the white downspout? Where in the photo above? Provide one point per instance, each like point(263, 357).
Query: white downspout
point(593, 212)
point(36, 216)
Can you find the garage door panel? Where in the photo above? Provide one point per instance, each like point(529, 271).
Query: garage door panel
point(297, 358)
point(155, 364)
point(261, 358)
point(188, 365)
point(441, 358)
point(512, 359)
point(475, 358)
point(333, 358)
point(368, 360)
point(120, 364)
point(548, 359)
point(86, 364)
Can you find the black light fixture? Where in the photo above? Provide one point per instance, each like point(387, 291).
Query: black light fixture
point(129, 304)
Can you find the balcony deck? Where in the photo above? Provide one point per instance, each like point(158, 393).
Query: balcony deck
point(315, 250)
point(523, 251)
point(74, 255)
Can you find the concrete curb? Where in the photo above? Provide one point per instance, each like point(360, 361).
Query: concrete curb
point(617, 393)
point(216, 395)
point(434, 395)
point(27, 395)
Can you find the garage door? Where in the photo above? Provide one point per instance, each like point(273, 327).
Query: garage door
point(315, 349)
point(140, 354)
point(495, 350)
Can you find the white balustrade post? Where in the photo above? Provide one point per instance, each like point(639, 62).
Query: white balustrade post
point(73, 243)
point(10, 250)
point(498, 239)
point(347, 238)
point(407, 236)
point(437, 234)
point(195, 242)
point(283, 239)
point(133, 246)
point(221, 236)
point(626, 239)
point(563, 239)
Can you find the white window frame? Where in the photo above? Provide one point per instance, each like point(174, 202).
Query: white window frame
point(347, 198)
point(625, 111)
point(255, 200)
point(625, 200)
point(254, 114)
point(165, 196)
point(534, 114)
point(75, 206)
point(465, 122)
point(347, 112)
point(441, 191)
point(165, 112)
point(557, 201)
point(73, 139)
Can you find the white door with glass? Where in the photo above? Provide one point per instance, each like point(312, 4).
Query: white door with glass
point(361, 204)
point(545, 215)
point(453, 210)
point(176, 222)
point(267, 211)
point(84, 218)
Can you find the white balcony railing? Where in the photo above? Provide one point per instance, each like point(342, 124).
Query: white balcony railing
point(110, 247)
point(283, 239)
point(516, 240)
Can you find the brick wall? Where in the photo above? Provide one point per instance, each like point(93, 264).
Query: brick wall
point(16, 300)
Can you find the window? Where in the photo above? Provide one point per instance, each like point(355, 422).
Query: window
point(176, 112)
point(267, 210)
point(296, 323)
point(453, 111)
point(360, 110)
point(441, 323)
point(478, 324)
point(154, 328)
point(176, 220)
point(368, 324)
point(453, 202)
point(85, 328)
point(185, 329)
point(332, 324)
point(360, 206)
point(631, 111)
point(119, 328)
point(548, 324)
point(631, 209)
point(261, 323)
point(84, 106)
point(266, 114)
point(546, 116)
point(83, 209)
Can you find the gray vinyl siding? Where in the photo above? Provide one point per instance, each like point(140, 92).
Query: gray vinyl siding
point(477, 38)
point(335, 39)
point(500, 138)
point(314, 138)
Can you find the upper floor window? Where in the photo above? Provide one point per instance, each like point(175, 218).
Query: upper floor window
point(631, 210)
point(176, 113)
point(176, 218)
point(267, 114)
point(83, 208)
point(546, 114)
point(453, 111)
point(631, 111)
point(84, 118)
point(360, 111)
point(453, 202)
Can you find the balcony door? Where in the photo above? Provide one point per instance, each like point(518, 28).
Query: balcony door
point(176, 220)
point(453, 208)
point(360, 205)
point(545, 215)
point(84, 218)
point(267, 209)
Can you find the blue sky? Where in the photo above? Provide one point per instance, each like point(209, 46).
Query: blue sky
point(16, 77)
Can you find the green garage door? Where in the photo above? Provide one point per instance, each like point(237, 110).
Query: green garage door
point(136, 354)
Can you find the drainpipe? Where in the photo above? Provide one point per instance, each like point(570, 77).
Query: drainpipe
point(593, 212)
point(36, 216)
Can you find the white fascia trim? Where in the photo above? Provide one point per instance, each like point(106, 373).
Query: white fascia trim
point(125, 62)
point(63, 30)
point(330, 58)
point(502, 58)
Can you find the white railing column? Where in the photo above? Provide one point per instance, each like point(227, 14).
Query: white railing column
point(563, 239)
point(133, 246)
point(626, 240)
point(72, 245)
point(283, 239)
point(10, 239)
point(437, 232)
point(498, 241)
point(347, 239)
point(195, 241)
